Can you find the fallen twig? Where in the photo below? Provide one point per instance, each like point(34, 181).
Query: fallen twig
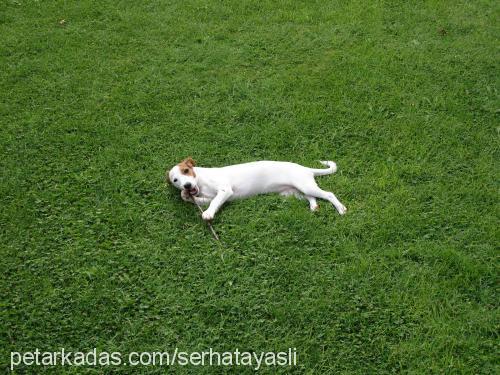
point(208, 222)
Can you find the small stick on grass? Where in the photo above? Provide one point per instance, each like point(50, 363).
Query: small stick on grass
point(208, 222)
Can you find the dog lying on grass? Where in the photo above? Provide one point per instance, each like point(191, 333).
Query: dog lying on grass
point(214, 186)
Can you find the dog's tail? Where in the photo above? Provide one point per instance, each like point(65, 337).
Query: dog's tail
point(332, 168)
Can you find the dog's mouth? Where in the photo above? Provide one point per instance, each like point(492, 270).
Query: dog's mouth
point(193, 191)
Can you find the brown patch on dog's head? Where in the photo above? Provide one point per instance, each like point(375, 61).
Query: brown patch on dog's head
point(187, 166)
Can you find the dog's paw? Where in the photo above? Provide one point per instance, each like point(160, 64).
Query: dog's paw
point(185, 196)
point(341, 209)
point(207, 215)
point(314, 208)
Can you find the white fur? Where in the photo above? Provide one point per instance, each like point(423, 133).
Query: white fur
point(214, 186)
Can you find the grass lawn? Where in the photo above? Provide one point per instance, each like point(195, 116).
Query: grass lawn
point(99, 98)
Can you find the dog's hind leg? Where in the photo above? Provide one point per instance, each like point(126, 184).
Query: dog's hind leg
point(310, 188)
point(313, 205)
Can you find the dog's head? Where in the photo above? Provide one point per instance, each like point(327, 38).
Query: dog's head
point(183, 177)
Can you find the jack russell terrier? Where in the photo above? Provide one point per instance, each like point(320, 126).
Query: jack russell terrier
point(214, 186)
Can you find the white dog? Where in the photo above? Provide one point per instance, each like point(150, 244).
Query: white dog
point(214, 186)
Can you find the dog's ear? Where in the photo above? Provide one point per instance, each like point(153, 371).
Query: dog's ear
point(190, 162)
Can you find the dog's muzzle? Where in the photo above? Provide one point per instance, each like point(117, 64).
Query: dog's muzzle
point(193, 191)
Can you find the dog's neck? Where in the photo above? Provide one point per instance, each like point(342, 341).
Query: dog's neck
point(204, 180)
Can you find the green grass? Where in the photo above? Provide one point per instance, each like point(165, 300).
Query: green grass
point(97, 252)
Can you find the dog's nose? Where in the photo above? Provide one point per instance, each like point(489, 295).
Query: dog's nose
point(187, 185)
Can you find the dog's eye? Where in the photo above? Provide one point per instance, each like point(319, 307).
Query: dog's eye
point(175, 180)
point(185, 171)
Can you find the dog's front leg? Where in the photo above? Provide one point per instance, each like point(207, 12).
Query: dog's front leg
point(186, 197)
point(202, 200)
point(222, 196)
point(193, 199)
